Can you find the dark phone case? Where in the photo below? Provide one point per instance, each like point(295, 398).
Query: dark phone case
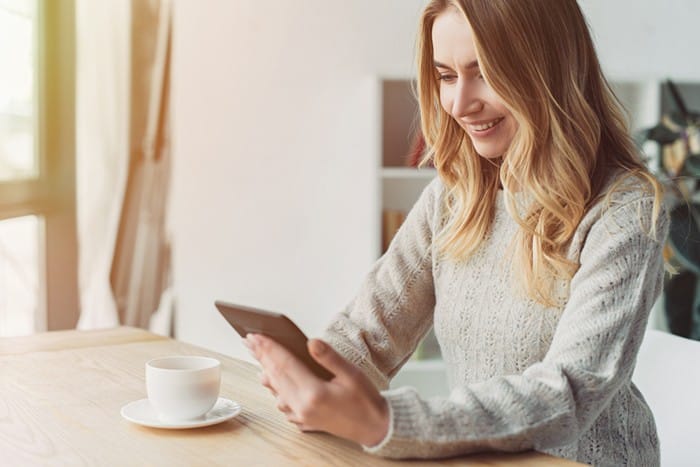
point(274, 325)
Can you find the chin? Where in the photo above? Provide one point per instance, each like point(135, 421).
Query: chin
point(489, 154)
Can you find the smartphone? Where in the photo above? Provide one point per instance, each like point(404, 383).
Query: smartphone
point(276, 326)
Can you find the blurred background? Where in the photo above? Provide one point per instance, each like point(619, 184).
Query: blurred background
point(157, 155)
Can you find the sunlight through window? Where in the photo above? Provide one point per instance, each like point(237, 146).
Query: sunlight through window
point(20, 237)
point(17, 89)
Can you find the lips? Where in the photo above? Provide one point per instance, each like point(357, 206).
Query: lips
point(484, 126)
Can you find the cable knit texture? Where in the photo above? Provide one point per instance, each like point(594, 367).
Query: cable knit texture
point(521, 375)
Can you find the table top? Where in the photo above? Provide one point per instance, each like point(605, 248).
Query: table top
point(61, 395)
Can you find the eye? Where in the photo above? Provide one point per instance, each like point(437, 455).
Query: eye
point(447, 77)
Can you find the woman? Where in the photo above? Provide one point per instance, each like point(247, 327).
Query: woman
point(536, 254)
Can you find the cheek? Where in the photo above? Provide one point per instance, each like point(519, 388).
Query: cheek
point(446, 101)
point(512, 130)
point(512, 124)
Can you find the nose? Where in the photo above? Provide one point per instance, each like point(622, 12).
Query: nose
point(465, 102)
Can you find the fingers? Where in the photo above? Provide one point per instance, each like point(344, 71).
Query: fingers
point(305, 428)
point(280, 365)
point(284, 373)
point(283, 407)
point(290, 381)
point(325, 355)
point(249, 346)
point(249, 342)
point(265, 381)
point(293, 418)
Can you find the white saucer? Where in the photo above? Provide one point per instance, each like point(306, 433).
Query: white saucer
point(142, 413)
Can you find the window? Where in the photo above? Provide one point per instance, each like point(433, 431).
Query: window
point(17, 90)
point(38, 250)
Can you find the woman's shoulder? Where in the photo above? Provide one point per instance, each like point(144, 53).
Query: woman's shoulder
point(437, 186)
point(628, 204)
point(623, 188)
point(433, 193)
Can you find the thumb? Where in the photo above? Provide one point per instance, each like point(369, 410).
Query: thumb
point(328, 358)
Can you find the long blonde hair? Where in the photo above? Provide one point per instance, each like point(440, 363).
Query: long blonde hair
point(538, 56)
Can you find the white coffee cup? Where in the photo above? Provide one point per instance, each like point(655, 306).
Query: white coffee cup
point(183, 388)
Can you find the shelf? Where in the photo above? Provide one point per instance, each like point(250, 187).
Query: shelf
point(401, 190)
point(400, 187)
point(428, 377)
point(408, 172)
point(427, 365)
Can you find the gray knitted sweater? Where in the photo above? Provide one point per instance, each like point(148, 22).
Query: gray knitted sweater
point(521, 375)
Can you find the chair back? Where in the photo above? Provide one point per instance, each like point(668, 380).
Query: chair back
point(668, 375)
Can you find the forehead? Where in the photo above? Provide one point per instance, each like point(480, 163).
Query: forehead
point(453, 43)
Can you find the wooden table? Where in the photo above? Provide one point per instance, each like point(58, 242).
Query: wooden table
point(61, 393)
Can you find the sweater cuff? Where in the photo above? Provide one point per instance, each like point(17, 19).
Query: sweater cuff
point(377, 448)
point(397, 437)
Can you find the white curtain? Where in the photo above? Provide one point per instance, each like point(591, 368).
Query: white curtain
point(103, 39)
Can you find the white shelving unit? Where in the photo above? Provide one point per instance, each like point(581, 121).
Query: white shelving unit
point(400, 187)
point(404, 173)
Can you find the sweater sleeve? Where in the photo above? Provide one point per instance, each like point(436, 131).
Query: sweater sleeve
point(393, 309)
point(591, 356)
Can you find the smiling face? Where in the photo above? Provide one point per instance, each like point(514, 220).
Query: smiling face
point(463, 92)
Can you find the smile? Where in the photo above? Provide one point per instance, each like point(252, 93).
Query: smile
point(487, 125)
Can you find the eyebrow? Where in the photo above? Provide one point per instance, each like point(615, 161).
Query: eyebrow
point(470, 65)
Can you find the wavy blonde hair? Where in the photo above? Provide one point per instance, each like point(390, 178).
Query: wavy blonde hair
point(538, 56)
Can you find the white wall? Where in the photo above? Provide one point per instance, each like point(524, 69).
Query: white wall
point(275, 136)
point(646, 39)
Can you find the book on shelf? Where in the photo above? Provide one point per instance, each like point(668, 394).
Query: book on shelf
point(391, 221)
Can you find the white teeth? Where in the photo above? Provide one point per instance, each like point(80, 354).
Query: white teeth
point(486, 126)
